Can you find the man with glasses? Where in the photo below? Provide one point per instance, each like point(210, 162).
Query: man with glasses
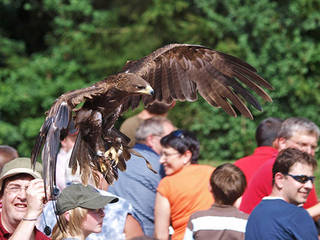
point(279, 216)
point(22, 195)
point(138, 184)
point(298, 133)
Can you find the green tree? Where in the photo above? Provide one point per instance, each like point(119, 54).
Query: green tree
point(52, 46)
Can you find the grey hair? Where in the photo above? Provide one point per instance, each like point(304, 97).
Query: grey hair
point(151, 126)
point(295, 124)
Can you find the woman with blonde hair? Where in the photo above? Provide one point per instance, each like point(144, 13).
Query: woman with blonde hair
point(80, 212)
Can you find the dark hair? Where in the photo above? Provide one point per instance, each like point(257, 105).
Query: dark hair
point(182, 140)
point(288, 157)
point(70, 131)
point(228, 183)
point(267, 131)
point(158, 108)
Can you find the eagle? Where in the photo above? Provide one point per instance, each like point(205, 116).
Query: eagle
point(175, 72)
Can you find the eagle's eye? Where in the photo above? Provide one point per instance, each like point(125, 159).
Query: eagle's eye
point(140, 87)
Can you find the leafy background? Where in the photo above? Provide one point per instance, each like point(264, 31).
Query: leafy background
point(48, 47)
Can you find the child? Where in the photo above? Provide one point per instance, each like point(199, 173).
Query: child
point(80, 212)
point(222, 220)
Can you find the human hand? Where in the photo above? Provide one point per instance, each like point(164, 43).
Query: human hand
point(35, 198)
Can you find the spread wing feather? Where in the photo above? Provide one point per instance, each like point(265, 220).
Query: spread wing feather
point(175, 72)
point(179, 71)
point(57, 120)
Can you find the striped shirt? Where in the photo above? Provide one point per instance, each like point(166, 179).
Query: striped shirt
point(218, 222)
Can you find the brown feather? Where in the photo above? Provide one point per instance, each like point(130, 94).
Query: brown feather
point(175, 72)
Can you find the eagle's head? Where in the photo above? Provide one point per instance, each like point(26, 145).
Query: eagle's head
point(133, 84)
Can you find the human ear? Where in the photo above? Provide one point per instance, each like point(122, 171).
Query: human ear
point(67, 215)
point(278, 180)
point(187, 157)
point(275, 143)
point(149, 141)
point(282, 143)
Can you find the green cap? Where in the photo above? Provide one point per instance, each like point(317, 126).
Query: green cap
point(19, 166)
point(78, 195)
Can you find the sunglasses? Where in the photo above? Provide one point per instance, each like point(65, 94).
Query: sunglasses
point(302, 178)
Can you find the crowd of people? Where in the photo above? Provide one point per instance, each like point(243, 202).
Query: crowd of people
point(267, 195)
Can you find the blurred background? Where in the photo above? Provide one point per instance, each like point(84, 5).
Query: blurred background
point(48, 47)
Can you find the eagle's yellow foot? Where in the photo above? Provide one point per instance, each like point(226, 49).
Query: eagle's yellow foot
point(114, 155)
point(103, 167)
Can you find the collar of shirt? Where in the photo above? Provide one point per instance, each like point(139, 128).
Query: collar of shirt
point(3, 232)
point(144, 147)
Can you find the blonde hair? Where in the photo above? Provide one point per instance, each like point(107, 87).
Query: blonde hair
point(71, 227)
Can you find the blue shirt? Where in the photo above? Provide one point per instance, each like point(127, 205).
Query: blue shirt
point(139, 185)
point(277, 219)
point(113, 221)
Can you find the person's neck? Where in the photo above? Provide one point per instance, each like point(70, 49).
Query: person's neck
point(85, 234)
point(277, 194)
point(10, 226)
point(80, 237)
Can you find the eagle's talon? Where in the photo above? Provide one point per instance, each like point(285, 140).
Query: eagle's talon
point(114, 154)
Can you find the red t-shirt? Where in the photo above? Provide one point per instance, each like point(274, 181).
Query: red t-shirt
point(4, 234)
point(260, 186)
point(250, 164)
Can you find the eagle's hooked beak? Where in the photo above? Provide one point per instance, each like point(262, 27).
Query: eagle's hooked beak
point(148, 90)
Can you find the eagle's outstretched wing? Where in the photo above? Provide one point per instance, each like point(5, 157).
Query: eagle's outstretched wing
point(178, 71)
point(175, 72)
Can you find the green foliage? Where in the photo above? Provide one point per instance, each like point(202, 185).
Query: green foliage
point(52, 46)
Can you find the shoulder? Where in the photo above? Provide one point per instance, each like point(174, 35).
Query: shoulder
point(134, 120)
point(263, 175)
point(193, 170)
point(301, 223)
point(198, 169)
point(221, 211)
point(171, 179)
point(166, 185)
point(299, 213)
point(243, 161)
point(278, 208)
point(240, 214)
point(145, 151)
point(267, 164)
point(201, 213)
point(165, 181)
point(122, 204)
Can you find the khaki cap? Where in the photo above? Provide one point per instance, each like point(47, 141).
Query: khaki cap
point(78, 195)
point(19, 166)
